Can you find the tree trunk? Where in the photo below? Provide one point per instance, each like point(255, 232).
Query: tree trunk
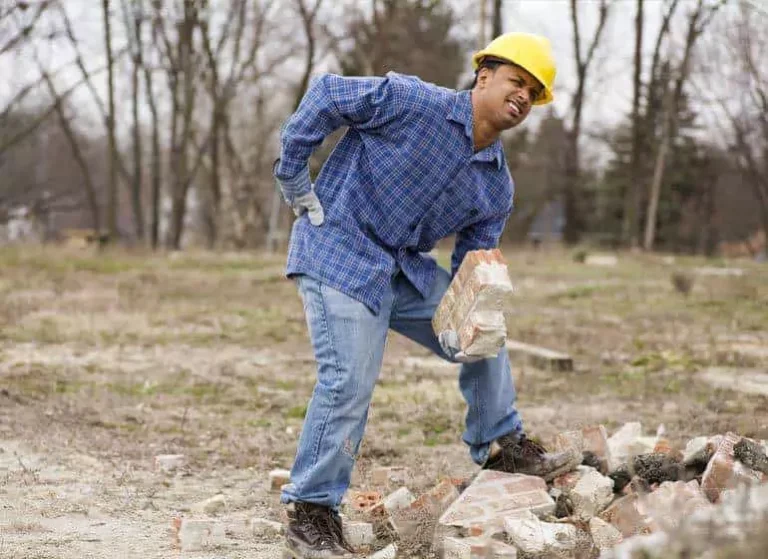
point(632, 196)
point(156, 166)
point(498, 14)
point(136, 190)
point(111, 140)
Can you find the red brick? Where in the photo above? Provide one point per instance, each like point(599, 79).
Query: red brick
point(723, 472)
point(494, 495)
point(472, 290)
point(483, 333)
point(673, 501)
point(362, 500)
point(628, 515)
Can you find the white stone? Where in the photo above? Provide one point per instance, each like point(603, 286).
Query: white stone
point(278, 478)
point(170, 462)
point(461, 548)
point(591, 494)
point(264, 528)
point(651, 545)
point(719, 272)
point(389, 552)
point(501, 550)
point(533, 537)
point(358, 534)
point(211, 506)
point(694, 446)
point(197, 534)
point(400, 499)
point(604, 535)
point(621, 442)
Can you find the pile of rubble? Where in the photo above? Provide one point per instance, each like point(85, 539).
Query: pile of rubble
point(627, 493)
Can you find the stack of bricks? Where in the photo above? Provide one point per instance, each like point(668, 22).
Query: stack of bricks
point(474, 303)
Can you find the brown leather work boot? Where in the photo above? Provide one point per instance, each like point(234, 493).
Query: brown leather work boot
point(314, 532)
point(517, 454)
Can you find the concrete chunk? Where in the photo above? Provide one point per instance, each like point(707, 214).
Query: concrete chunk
point(535, 538)
point(358, 534)
point(264, 528)
point(591, 494)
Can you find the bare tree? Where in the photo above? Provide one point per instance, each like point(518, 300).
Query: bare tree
point(632, 195)
point(573, 217)
point(133, 21)
point(111, 221)
point(698, 20)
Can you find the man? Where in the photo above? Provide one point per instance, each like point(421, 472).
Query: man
point(417, 163)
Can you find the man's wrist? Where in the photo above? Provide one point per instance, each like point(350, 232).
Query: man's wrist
point(293, 185)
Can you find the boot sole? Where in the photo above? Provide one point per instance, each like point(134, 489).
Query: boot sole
point(291, 554)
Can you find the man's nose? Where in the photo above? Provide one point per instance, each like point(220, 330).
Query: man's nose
point(524, 96)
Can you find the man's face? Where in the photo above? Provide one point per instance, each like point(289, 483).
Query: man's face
point(507, 94)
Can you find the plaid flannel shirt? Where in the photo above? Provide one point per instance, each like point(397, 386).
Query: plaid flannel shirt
point(403, 176)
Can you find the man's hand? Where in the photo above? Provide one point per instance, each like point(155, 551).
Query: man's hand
point(307, 202)
point(311, 204)
point(449, 342)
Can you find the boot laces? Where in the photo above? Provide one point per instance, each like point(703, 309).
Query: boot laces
point(324, 526)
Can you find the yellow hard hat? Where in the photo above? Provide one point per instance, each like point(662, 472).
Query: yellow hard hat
point(532, 52)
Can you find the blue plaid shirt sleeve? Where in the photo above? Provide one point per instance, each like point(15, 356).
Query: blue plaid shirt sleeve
point(484, 235)
point(331, 102)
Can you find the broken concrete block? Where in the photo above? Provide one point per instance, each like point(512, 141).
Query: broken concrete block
point(358, 534)
point(500, 550)
point(494, 495)
point(211, 506)
point(170, 462)
point(672, 502)
point(539, 357)
point(604, 535)
point(278, 478)
point(389, 552)
point(535, 538)
point(591, 494)
point(263, 528)
point(623, 444)
point(389, 476)
point(483, 333)
point(465, 548)
point(724, 472)
point(693, 447)
point(196, 534)
point(628, 515)
point(400, 499)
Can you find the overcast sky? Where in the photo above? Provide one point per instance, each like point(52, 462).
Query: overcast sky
point(609, 92)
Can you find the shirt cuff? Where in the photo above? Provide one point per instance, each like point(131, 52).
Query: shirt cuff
point(295, 185)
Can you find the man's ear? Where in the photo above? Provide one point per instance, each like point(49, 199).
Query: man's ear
point(483, 76)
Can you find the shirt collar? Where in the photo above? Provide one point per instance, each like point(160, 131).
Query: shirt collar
point(461, 112)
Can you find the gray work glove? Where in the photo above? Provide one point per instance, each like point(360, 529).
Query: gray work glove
point(309, 203)
point(300, 203)
point(449, 343)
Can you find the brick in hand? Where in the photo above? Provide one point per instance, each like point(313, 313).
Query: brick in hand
point(474, 302)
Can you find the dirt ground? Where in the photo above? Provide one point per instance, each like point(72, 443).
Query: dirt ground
point(109, 360)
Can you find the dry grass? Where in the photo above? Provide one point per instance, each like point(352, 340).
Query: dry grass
point(207, 355)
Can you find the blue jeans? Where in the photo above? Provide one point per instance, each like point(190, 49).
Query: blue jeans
point(348, 341)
